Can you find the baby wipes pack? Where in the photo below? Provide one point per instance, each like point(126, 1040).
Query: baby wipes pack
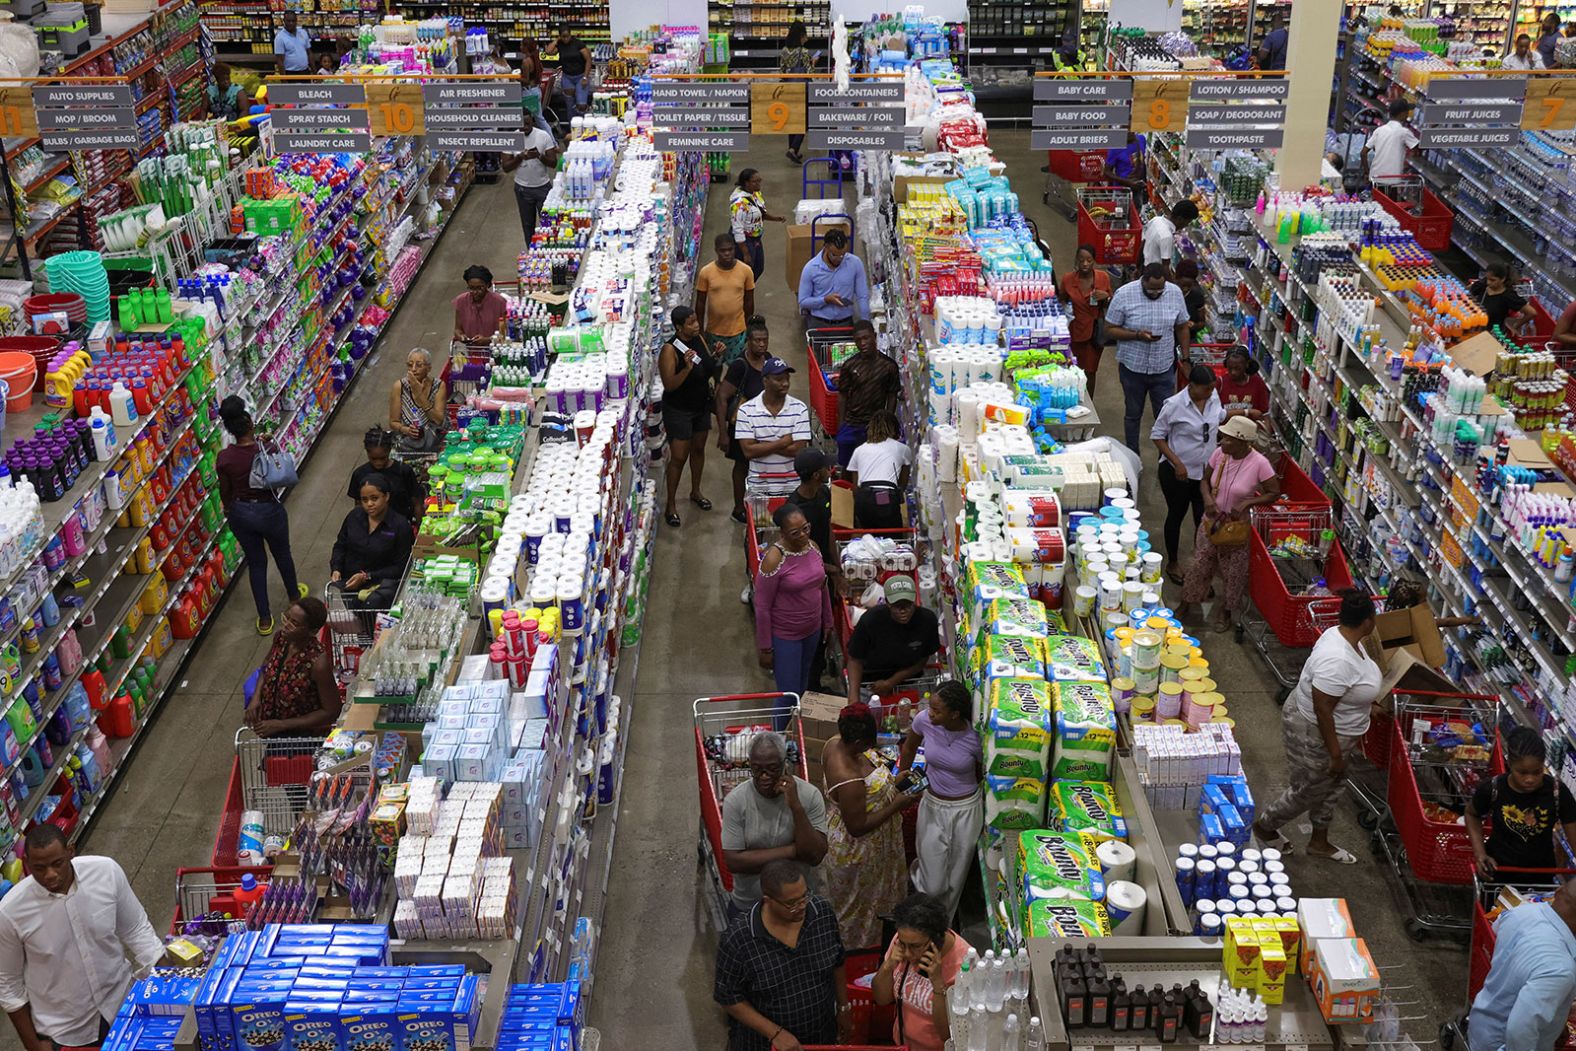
point(1018, 732)
point(1014, 803)
point(1059, 865)
point(1071, 658)
point(1086, 806)
point(1085, 731)
point(1011, 657)
point(1066, 919)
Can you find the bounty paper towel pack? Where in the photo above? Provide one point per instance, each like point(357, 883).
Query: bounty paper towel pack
point(1059, 865)
point(1086, 806)
point(988, 581)
point(1071, 658)
point(1010, 657)
point(1018, 730)
point(1066, 919)
point(1085, 730)
point(1014, 803)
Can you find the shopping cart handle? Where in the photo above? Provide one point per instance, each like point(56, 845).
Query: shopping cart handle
point(747, 697)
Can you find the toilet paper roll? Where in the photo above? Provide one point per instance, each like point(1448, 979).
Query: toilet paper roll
point(1125, 903)
point(1116, 860)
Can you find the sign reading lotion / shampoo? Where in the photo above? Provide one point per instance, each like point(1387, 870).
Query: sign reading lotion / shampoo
point(1236, 113)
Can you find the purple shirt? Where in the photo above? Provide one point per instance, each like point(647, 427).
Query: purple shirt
point(793, 602)
point(952, 757)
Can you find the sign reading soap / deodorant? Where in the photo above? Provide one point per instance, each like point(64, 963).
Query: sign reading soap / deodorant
point(1236, 113)
point(700, 116)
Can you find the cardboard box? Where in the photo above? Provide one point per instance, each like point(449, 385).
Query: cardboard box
point(1321, 918)
point(1412, 630)
point(800, 251)
point(1344, 980)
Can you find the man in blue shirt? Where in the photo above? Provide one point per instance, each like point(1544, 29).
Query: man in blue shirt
point(292, 47)
point(1125, 167)
point(1148, 319)
point(1272, 49)
point(1528, 992)
point(832, 286)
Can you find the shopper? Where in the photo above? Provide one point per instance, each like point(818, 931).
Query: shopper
point(814, 497)
point(292, 47)
point(686, 366)
point(404, 487)
point(780, 972)
point(1160, 233)
point(725, 299)
point(952, 812)
point(741, 382)
point(748, 219)
point(1274, 48)
point(921, 964)
point(530, 79)
point(833, 289)
point(1525, 804)
point(771, 429)
point(574, 59)
point(1322, 722)
point(1389, 145)
point(1088, 289)
point(1565, 327)
point(73, 936)
point(1184, 435)
point(776, 816)
point(224, 98)
point(1242, 390)
point(867, 383)
point(866, 874)
point(795, 58)
point(892, 643)
point(296, 695)
point(1148, 319)
point(534, 169)
point(878, 470)
point(372, 550)
point(1125, 167)
point(1503, 304)
point(1522, 56)
point(479, 312)
point(1236, 479)
point(328, 63)
point(1549, 39)
point(1526, 996)
point(792, 608)
point(256, 516)
point(419, 405)
point(1192, 297)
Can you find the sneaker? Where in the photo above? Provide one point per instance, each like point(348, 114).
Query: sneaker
point(302, 591)
point(747, 595)
point(265, 626)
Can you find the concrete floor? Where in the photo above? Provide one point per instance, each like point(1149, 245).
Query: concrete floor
point(655, 966)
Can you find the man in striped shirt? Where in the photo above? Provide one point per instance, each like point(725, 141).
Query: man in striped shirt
point(772, 427)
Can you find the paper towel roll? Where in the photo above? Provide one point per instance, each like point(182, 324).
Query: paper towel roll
point(1125, 903)
point(1116, 860)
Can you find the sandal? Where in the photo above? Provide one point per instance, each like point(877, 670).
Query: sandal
point(738, 516)
point(1340, 855)
point(265, 626)
point(1220, 627)
point(701, 502)
point(673, 519)
point(1176, 577)
point(1275, 841)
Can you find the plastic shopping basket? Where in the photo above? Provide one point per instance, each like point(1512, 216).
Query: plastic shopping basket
point(1417, 209)
point(1437, 851)
point(872, 1021)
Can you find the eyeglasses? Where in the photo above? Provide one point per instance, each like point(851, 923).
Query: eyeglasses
point(796, 905)
point(766, 770)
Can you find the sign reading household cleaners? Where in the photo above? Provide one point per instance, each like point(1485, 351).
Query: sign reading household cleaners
point(86, 117)
point(700, 116)
point(866, 116)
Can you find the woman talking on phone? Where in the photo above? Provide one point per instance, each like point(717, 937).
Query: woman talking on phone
point(920, 966)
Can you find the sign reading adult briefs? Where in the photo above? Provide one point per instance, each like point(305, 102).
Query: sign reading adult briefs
point(1077, 138)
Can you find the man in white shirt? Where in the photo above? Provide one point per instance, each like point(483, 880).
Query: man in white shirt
point(533, 175)
point(1160, 235)
point(772, 427)
point(1388, 145)
point(72, 938)
point(1523, 57)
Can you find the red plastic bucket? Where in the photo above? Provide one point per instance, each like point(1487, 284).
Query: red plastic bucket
point(41, 349)
point(75, 307)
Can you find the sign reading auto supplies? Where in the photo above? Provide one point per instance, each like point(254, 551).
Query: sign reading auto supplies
point(86, 117)
point(700, 116)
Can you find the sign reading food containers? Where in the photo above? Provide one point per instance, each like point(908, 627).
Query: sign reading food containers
point(701, 116)
point(86, 116)
point(1080, 114)
point(865, 116)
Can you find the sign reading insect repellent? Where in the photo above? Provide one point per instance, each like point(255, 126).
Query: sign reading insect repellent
point(863, 116)
point(86, 117)
point(1081, 114)
point(700, 116)
point(478, 116)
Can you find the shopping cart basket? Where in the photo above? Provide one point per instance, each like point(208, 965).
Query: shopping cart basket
point(204, 897)
point(351, 633)
point(1064, 171)
point(1108, 221)
point(1291, 549)
point(724, 727)
point(275, 773)
point(1211, 354)
point(823, 385)
point(1417, 209)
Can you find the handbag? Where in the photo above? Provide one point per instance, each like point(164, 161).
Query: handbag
point(1227, 532)
point(272, 469)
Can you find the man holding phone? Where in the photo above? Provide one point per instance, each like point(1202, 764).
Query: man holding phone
point(776, 817)
point(1148, 318)
point(533, 175)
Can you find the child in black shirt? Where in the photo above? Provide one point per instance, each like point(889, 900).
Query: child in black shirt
point(1523, 804)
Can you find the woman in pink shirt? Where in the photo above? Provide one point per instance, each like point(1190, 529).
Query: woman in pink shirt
point(1237, 479)
point(479, 312)
point(920, 966)
point(792, 606)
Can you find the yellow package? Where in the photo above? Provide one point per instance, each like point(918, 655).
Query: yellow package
point(154, 594)
point(1291, 940)
point(1240, 958)
point(1272, 972)
point(133, 619)
point(162, 639)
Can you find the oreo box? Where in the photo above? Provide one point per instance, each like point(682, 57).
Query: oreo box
point(257, 1015)
point(312, 1025)
point(425, 1026)
point(369, 1022)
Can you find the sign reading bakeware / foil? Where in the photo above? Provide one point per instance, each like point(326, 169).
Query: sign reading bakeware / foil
point(1479, 112)
point(86, 116)
point(1072, 113)
point(863, 117)
point(479, 116)
point(1236, 113)
point(700, 116)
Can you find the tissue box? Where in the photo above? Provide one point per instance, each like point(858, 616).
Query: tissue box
point(1344, 979)
point(1322, 918)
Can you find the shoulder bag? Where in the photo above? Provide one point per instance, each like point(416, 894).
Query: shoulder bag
point(272, 469)
point(1226, 532)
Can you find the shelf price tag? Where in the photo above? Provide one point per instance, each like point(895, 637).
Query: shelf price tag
point(86, 117)
point(396, 109)
point(17, 119)
point(777, 108)
point(1075, 113)
point(701, 116)
point(1159, 104)
point(1550, 105)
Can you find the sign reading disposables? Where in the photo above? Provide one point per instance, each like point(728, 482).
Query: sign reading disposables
point(86, 117)
point(867, 116)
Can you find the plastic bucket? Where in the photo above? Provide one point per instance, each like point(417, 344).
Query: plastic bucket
point(20, 373)
point(75, 307)
point(40, 348)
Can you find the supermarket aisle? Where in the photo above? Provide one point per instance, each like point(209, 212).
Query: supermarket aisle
point(165, 806)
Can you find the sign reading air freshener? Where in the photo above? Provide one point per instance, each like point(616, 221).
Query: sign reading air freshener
point(478, 116)
point(867, 116)
point(700, 116)
point(1081, 114)
point(86, 116)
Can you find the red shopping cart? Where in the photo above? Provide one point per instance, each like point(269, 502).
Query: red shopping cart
point(1108, 221)
point(823, 354)
point(1417, 209)
point(724, 728)
point(205, 901)
point(1065, 170)
point(1295, 560)
point(1211, 354)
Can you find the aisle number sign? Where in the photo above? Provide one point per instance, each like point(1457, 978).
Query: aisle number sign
point(1159, 104)
point(777, 107)
point(700, 116)
point(1550, 105)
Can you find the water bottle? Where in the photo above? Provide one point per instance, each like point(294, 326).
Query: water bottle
point(1011, 1038)
point(1036, 1036)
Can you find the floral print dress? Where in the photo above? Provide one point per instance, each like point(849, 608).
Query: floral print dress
point(866, 876)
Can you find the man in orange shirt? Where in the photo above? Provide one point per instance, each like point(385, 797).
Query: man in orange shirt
point(725, 299)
